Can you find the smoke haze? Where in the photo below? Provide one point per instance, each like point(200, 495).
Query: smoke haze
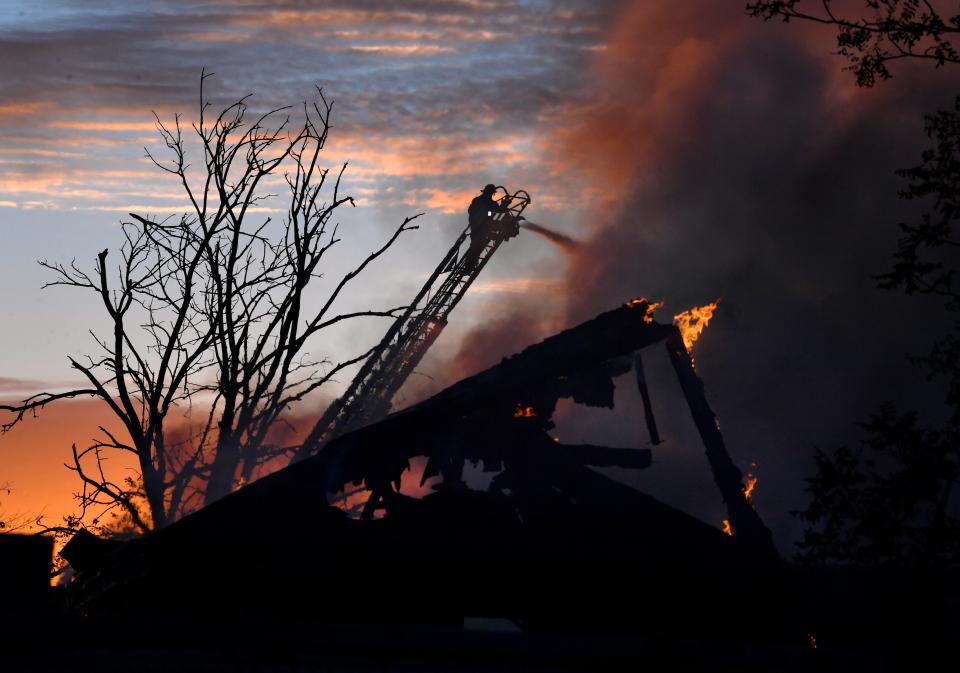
point(736, 159)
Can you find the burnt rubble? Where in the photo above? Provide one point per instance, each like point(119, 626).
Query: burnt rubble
point(551, 544)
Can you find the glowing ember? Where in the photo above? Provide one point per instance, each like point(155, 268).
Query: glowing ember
point(751, 484)
point(812, 637)
point(748, 489)
point(524, 412)
point(693, 322)
point(651, 307)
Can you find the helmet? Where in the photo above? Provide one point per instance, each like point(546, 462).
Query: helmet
point(489, 189)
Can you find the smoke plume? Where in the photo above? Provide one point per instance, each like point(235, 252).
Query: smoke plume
point(748, 170)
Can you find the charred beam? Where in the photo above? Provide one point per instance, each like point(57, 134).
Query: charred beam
point(645, 395)
point(482, 407)
point(749, 528)
point(550, 363)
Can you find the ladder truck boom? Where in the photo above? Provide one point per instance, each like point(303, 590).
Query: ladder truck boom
point(369, 395)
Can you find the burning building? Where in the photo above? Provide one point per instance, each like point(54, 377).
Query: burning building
point(547, 544)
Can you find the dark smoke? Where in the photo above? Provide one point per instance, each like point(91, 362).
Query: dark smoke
point(567, 244)
point(795, 209)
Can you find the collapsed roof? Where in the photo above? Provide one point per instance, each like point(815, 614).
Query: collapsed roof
point(279, 544)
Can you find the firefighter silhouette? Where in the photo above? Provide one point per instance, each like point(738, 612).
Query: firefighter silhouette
point(481, 209)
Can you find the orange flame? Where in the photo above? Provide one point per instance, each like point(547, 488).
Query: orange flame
point(747, 491)
point(524, 412)
point(751, 484)
point(693, 322)
point(651, 307)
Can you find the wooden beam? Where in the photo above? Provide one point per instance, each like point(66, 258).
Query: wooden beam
point(747, 525)
point(645, 394)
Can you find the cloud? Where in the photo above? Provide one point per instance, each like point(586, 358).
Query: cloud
point(402, 49)
point(421, 94)
point(94, 125)
point(12, 385)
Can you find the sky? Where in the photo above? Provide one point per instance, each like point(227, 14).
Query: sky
point(694, 152)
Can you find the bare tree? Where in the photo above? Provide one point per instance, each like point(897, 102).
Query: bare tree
point(9, 522)
point(207, 311)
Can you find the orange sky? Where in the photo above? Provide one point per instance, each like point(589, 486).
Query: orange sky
point(34, 452)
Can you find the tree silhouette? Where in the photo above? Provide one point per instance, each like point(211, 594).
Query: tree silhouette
point(892, 501)
point(886, 31)
point(888, 503)
point(208, 311)
point(11, 521)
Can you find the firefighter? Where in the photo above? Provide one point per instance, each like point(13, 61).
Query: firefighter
point(480, 211)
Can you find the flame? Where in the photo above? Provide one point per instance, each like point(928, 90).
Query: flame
point(524, 412)
point(651, 307)
point(693, 322)
point(747, 491)
point(751, 484)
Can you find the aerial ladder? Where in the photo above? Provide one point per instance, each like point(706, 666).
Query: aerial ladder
point(369, 395)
